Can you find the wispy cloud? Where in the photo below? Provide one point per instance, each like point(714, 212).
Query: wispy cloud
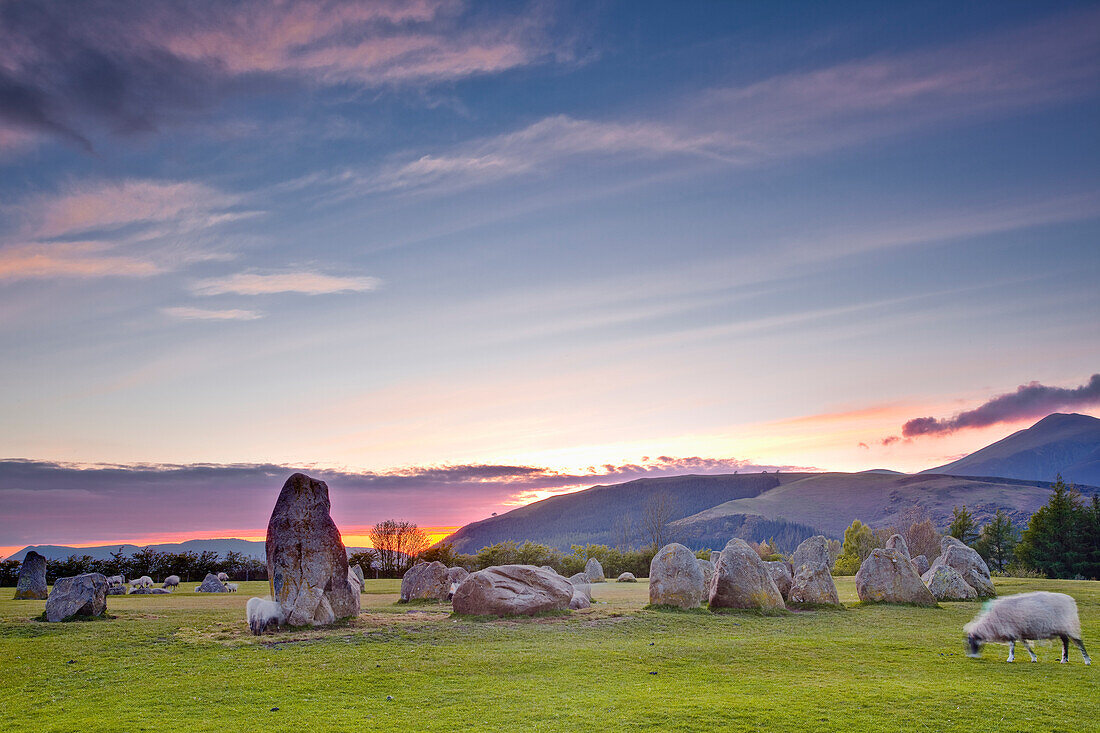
point(310, 283)
point(1028, 401)
point(204, 314)
point(69, 260)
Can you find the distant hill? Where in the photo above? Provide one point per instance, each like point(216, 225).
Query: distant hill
point(1058, 444)
point(103, 552)
point(709, 510)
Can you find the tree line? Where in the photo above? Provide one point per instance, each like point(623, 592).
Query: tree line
point(189, 566)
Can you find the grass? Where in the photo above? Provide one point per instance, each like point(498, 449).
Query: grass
point(187, 659)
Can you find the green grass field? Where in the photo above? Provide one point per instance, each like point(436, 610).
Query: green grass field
point(187, 661)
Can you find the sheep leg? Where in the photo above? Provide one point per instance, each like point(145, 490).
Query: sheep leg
point(1081, 645)
point(1065, 649)
point(1012, 651)
point(1030, 650)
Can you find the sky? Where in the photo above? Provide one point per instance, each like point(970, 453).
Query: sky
point(457, 256)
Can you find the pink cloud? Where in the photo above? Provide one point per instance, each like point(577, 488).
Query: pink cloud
point(69, 260)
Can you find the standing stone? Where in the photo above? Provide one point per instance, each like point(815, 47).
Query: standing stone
point(358, 570)
point(968, 563)
point(355, 581)
point(811, 581)
point(946, 584)
point(887, 577)
point(920, 563)
point(897, 542)
point(507, 590)
point(708, 572)
point(781, 576)
point(210, 584)
point(626, 578)
point(306, 559)
point(82, 595)
point(31, 585)
point(457, 575)
point(741, 580)
point(675, 578)
point(425, 581)
point(582, 591)
point(594, 571)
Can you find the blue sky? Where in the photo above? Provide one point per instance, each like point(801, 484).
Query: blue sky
point(367, 237)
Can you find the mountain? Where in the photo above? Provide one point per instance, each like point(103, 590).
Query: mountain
point(103, 552)
point(706, 511)
point(1058, 444)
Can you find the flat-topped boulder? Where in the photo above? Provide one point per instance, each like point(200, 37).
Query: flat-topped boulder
point(307, 563)
point(425, 581)
point(675, 578)
point(210, 584)
point(946, 584)
point(741, 580)
point(31, 583)
point(887, 576)
point(781, 575)
point(81, 595)
point(512, 590)
point(594, 571)
point(968, 563)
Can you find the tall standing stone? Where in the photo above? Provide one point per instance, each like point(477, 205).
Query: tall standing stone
point(811, 581)
point(741, 580)
point(675, 578)
point(31, 585)
point(306, 559)
point(594, 571)
point(81, 595)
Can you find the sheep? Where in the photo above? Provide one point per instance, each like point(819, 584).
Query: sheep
point(231, 587)
point(1026, 617)
point(116, 580)
point(223, 577)
point(145, 581)
point(172, 581)
point(451, 591)
point(262, 613)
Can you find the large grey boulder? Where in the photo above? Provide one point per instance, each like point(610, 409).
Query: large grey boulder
point(968, 563)
point(811, 581)
point(897, 542)
point(425, 581)
point(812, 551)
point(741, 580)
point(210, 584)
point(512, 590)
point(675, 578)
point(82, 595)
point(31, 584)
point(306, 559)
point(594, 571)
point(708, 572)
point(145, 592)
point(946, 584)
point(116, 590)
point(813, 584)
point(886, 576)
point(920, 564)
point(781, 575)
point(626, 578)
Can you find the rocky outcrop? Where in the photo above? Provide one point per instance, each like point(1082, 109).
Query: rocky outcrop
point(82, 595)
point(811, 581)
point(594, 571)
point(741, 580)
point(211, 584)
point(675, 578)
point(626, 578)
point(306, 560)
point(886, 576)
point(781, 575)
point(425, 581)
point(968, 563)
point(897, 542)
point(507, 590)
point(31, 583)
point(945, 584)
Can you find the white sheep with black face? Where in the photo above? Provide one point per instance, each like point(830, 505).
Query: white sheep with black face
point(231, 587)
point(262, 613)
point(1026, 617)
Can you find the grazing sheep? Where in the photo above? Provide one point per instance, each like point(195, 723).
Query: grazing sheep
point(116, 580)
point(172, 581)
point(223, 577)
point(231, 587)
point(263, 613)
point(145, 581)
point(1026, 617)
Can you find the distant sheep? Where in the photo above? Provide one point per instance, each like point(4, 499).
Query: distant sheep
point(145, 581)
point(116, 580)
point(172, 581)
point(263, 613)
point(223, 577)
point(1026, 617)
point(231, 587)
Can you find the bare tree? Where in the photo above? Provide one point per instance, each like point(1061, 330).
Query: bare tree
point(622, 531)
point(656, 515)
point(398, 544)
point(920, 534)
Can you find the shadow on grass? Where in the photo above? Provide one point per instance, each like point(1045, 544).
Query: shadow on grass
point(512, 616)
point(422, 602)
point(887, 604)
point(74, 618)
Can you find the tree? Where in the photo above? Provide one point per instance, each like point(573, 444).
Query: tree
point(997, 540)
point(398, 545)
point(656, 515)
point(922, 538)
point(1052, 542)
point(963, 527)
point(859, 540)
